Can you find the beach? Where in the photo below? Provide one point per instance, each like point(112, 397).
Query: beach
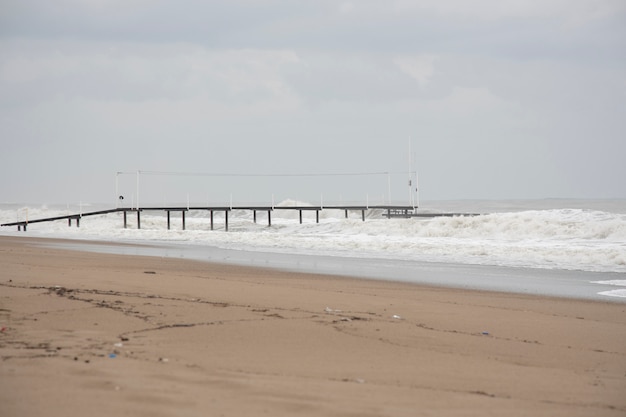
point(102, 334)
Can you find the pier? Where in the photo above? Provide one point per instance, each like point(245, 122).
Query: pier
point(389, 211)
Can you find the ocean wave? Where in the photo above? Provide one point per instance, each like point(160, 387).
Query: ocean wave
point(576, 239)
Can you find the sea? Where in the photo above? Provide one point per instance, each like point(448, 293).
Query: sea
point(556, 247)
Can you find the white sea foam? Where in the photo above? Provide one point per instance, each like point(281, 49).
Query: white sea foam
point(551, 238)
point(617, 282)
point(621, 293)
point(613, 293)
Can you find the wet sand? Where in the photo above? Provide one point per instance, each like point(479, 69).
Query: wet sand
point(109, 335)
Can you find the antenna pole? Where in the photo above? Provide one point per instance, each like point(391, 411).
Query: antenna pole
point(137, 190)
point(410, 177)
point(417, 193)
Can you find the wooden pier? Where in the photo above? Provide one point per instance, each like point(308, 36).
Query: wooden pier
point(389, 211)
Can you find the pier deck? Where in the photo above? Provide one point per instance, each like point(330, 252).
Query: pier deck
point(391, 211)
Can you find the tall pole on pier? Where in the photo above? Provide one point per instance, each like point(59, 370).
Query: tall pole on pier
point(417, 186)
point(137, 190)
point(413, 186)
point(410, 177)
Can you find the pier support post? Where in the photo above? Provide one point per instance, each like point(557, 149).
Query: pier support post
point(168, 219)
point(226, 220)
point(254, 216)
point(389, 213)
point(78, 222)
point(269, 218)
point(125, 221)
point(300, 216)
point(138, 219)
point(363, 214)
point(346, 213)
point(317, 216)
point(211, 219)
point(69, 221)
point(183, 219)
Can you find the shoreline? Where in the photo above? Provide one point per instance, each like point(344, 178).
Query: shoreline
point(559, 283)
point(96, 333)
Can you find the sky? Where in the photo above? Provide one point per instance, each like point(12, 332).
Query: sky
point(311, 100)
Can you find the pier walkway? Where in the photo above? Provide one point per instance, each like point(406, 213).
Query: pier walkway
point(388, 210)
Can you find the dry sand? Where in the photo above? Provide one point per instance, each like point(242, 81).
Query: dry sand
point(107, 335)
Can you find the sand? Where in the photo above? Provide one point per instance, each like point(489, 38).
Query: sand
point(108, 335)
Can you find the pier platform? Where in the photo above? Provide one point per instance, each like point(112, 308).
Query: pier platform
point(389, 211)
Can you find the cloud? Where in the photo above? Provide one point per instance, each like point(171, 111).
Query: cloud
point(402, 27)
point(483, 87)
point(575, 12)
point(47, 70)
point(420, 67)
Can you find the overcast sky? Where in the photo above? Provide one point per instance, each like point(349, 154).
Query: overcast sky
point(500, 99)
